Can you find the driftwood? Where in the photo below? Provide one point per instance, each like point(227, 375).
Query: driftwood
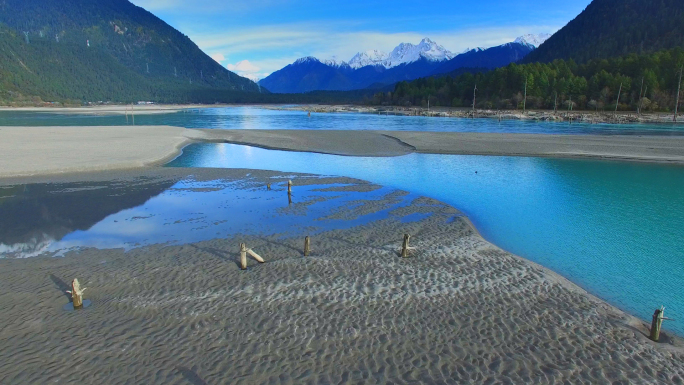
point(76, 294)
point(243, 256)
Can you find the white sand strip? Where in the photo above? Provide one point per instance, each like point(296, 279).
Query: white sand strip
point(51, 150)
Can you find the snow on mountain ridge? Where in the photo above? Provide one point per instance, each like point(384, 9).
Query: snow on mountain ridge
point(532, 39)
point(406, 53)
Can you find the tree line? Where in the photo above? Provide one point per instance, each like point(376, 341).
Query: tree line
point(648, 82)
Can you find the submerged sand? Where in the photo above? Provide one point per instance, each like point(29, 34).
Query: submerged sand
point(459, 310)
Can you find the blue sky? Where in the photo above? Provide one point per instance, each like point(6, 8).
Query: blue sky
point(257, 37)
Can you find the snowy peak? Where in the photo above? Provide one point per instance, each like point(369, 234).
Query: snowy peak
point(408, 53)
point(368, 58)
point(307, 59)
point(335, 62)
point(533, 40)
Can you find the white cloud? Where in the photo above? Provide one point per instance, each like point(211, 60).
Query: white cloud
point(246, 69)
point(243, 66)
point(218, 57)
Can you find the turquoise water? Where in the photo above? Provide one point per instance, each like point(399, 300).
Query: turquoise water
point(616, 229)
point(259, 118)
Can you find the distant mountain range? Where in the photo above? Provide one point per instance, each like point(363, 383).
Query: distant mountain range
point(610, 28)
point(405, 62)
point(109, 50)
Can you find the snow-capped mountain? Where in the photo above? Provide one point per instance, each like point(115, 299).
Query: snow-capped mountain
point(368, 58)
point(408, 53)
point(406, 62)
point(335, 62)
point(533, 40)
point(404, 53)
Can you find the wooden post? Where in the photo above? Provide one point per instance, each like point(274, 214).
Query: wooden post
point(289, 187)
point(656, 324)
point(307, 246)
point(268, 186)
point(76, 294)
point(679, 88)
point(405, 246)
point(243, 256)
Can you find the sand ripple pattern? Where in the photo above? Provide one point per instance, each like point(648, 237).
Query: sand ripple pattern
point(460, 311)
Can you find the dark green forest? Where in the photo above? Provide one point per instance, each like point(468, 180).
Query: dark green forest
point(611, 28)
point(105, 50)
point(591, 86)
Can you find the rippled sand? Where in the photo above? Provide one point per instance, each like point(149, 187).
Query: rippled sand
point(458, 311)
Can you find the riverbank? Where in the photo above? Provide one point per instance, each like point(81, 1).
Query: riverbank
point(53, 150)
point(659, 149)
point(592, 117)
point(459, 310)
point(115, 109)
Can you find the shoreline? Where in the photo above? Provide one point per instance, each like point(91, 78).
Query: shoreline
point(54, 150)
point(480, 301)
point(590, 117)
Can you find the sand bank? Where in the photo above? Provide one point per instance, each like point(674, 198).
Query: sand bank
point(394, 143)
point(459, 311)
point(49, 150)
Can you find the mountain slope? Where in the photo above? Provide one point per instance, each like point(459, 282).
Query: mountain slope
point(608, 28)
point(101, 50)
point(490, 58)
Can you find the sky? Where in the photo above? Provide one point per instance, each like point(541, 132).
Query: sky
point(257, 37)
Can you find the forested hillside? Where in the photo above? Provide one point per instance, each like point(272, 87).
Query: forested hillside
point(594, 85)
point(609, 28)
point(108, 50)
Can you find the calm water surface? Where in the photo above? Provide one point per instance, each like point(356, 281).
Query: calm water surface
point(52, 219)
point(616, 229)
point(260, 118)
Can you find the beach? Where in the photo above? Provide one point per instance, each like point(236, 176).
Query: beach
point(459, 310)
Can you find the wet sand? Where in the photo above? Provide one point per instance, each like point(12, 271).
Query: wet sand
point(459, 310)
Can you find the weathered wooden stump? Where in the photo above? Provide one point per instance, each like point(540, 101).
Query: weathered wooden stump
point(243, 256)
point(268, 186)
point(657, 323)
point(405, 246)
point(76, 294)
point(289, 187)
point(307, 246)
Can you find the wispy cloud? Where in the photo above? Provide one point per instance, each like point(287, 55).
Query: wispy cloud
point(289, 42)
